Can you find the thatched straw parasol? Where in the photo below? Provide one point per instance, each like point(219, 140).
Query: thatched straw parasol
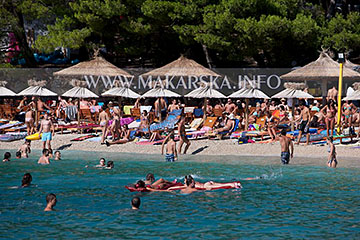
point(248, 93)
point(5, 92)
point(205, 91)
point(356, 94)
point(79, 91)
point(323, 68)
point(36, 88)
point(95, 67)
point(351, 65)
point(182, 67)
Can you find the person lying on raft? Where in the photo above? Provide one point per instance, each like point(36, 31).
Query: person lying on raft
point(125, 139)
point(159, 184)
point(208, 185)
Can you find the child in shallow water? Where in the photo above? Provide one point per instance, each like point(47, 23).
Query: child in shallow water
point(332, 162)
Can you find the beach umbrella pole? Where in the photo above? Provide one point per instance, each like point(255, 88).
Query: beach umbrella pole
point(78, 112)
point(292, 115)
point(205, 106)
point(246, 114)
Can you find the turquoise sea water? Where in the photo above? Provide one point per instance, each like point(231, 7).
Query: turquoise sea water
point(290, 202)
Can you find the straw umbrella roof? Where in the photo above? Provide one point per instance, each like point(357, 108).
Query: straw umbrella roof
point(350, 65)
point(95, 67)
point(5, 92)
point(79, 91)
point(160, 92)
point(323, 68)
point(36, 88)
point(248, 93)
point(182, 67)
point(293, 90)
point(205, 92)
point(121, 92)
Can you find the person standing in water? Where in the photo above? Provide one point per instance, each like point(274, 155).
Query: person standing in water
point(182, 135)
point(44, 159)
point(50, 202)
point(171, 153)
point(287, 147)
point(25, 149)
point(47, 130)
point(332, 162)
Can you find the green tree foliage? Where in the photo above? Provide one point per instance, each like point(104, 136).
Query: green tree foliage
point(272, 33)
point(343, 34)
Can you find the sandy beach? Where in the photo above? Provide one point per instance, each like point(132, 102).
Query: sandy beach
point(348, 155)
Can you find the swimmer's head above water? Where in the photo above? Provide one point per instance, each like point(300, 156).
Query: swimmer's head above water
point(135, 203)
point(26, 180)
point(102, 162)
point(150, 177)
point(140, 184)
point(189, 181)
point(110, 164)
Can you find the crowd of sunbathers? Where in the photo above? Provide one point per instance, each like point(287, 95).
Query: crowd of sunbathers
point(307, 113)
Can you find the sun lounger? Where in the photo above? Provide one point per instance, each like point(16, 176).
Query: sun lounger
point(207, 126)
point(127, 110)
point(10, 125)
point(195, 124)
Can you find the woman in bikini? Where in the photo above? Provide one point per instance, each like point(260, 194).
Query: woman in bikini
point(330, 112)
point(348, 115)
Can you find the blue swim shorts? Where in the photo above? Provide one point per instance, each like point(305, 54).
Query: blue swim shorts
point(285, 157)
point(46, 136)
point(170, 157)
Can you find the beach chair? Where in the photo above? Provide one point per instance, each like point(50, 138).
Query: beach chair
point(261, 121)
point(207, 126)
point(188, 111)
point(85, 114)
point(198, 112)
point(220, 135)
point(135, 112)
point(8, 112)
point(195, 124)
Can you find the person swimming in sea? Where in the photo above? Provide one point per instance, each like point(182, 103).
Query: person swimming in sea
point(135, 203)
point(26, 180)
point(102, 163)
point(190, 185)
point(50, 202)
point(332, 161)
point(57, 155)
point(7, 157)
point(109, 165)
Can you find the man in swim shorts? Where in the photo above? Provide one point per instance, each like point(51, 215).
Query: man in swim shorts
point(171, 153)
point(47, 130)
point(305, 120)
point(287, 147)
point(50, 202)
point(182, 135)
